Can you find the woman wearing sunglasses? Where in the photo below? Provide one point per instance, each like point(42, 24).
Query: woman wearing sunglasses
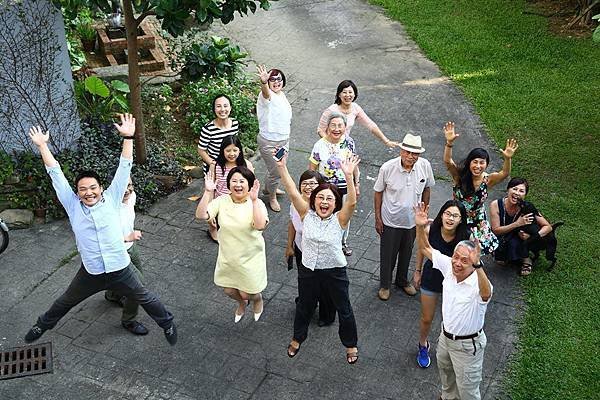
point(274, 114)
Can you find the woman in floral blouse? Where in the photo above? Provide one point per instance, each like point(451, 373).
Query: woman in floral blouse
point(327, 155)
point(471, 184)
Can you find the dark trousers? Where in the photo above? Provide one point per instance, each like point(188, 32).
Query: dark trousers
point(326, 307)
point(130, 308)
point(124, 282)
point(395, 251)
point(309, 287)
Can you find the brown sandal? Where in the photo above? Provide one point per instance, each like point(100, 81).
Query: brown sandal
point(292, 350)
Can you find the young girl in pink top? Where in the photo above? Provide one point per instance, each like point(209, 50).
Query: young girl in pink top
point(344, 103)
point(231, 155)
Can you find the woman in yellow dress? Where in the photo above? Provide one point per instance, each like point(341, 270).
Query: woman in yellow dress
point(241, 264)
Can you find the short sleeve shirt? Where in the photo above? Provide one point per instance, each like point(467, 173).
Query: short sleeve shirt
point(463, 310)
point(402, 190)
point(274, 116)
point(211, 137)
point(328, 158)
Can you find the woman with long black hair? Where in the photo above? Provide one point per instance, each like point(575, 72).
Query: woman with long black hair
point(471, 184)
point(447, 229)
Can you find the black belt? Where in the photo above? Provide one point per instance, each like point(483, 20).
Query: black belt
point(455, 337)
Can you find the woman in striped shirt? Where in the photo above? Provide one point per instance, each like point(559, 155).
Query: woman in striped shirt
point(212, 133)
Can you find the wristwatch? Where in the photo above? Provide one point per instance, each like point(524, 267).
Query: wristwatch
point(478, 265)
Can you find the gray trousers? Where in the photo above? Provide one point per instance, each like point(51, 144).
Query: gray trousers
point(395, 251)
point(266, 148)
point(124, 282)
point(460, 363)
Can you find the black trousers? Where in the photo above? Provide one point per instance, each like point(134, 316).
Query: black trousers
point(309, 286)
point(395, 251)
point(123, 282)
point(326, 307)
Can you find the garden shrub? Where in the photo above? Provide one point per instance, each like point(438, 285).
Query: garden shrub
point(242, 91)
point(216, 57)
point(98, 149)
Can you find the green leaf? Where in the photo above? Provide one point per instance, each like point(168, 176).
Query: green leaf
point(120, 86)
point(122, 102)
point(95, 86)
point(596, 35)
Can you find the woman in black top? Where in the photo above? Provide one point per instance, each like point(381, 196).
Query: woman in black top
point(446, 230)
point(520, 227)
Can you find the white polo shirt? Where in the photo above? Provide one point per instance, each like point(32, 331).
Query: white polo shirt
point(463, 310)
point(402, 190)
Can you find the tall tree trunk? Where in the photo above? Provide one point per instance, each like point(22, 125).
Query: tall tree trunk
point(131, 27)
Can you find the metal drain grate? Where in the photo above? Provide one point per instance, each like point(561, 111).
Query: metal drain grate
point(26, 360)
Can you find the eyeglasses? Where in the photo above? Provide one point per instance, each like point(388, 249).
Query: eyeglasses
point(309, 184)
point(275, 79)
point(328, 199)
point(448, 214)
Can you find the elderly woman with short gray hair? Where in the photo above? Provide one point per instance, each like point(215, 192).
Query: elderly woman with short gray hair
point(327, 155)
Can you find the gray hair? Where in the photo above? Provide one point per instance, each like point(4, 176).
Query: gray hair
point(335, 115)
point(466, 243)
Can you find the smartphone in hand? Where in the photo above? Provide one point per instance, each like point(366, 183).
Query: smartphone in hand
point(279, 153)
point(290, 262)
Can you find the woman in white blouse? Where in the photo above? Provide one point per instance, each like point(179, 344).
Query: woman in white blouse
point(324, 219)
point(274, 114)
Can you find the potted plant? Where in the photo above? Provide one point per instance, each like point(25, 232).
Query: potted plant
point(87, 35)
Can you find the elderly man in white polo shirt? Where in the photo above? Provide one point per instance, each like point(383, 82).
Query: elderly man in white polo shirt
point(466, 294)
point(402, 183)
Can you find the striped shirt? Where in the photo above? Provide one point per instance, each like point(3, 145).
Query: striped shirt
point(211, 137)
point(221, 180)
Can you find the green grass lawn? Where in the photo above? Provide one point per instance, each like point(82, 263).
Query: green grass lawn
point(545, 91)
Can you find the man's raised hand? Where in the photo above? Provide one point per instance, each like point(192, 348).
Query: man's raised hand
point(421, 211)
point(38, 137)
point(127, 127)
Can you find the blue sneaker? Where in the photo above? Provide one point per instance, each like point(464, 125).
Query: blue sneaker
point(423, 356)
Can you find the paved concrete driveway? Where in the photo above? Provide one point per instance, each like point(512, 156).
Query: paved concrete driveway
point(317, 44)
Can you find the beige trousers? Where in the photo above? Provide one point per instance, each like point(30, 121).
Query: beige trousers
point(460, 363)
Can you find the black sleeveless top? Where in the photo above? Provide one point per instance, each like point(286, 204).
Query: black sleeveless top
point(431, 278)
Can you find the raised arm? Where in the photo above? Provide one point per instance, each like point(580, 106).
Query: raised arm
point(422, 221)
point(41, 139)
point(207, 197)
point(127, 131)
point(451, 136)
point(507, 153)
point(485, 287)
point(290, 188)
point(260, 218)
point(263, 75)
point(419, 262)
point(348, 166)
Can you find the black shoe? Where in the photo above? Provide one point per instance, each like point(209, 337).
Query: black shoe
point(120, 301)
point(34, 334)
point(135, 327)
point(171, 334)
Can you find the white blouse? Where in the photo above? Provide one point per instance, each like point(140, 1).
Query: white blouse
point(322, 242)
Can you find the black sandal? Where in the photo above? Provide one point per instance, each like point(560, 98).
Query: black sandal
point(292, 351)
point(526, 269)
point(352, 357)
